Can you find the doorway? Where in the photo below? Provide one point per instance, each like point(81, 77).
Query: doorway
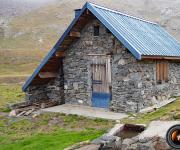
point(101, 81)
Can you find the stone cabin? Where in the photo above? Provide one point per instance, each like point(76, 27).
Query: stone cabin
point(108, 59)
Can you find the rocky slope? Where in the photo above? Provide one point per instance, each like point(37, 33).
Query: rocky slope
point(37, 23)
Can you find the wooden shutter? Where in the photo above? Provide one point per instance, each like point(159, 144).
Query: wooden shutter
point(165, 67)
point(158, 78)
point(162, 72)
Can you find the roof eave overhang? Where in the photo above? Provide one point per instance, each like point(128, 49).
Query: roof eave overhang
point(53, 50)
point(156, 57)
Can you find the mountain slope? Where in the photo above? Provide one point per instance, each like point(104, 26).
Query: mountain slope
point(40, 28)
point(35, 31)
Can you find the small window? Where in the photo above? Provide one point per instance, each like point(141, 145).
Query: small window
point(162, 72)
point(96, 30)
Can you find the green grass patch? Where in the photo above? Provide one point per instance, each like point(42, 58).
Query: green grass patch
point(59, 140)
point(10, 93)
point(49, 131)
point(168, 112)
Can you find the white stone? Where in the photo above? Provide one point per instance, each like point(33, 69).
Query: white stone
point(65, 87)
point(154, 100)
point(139, 85)
point(142, 92)
point(116, 129)
point(12, 113)
point(148, 109)
point(88, 43)
point(80, 101)
point(121, 62)
point(75, 85)
point(126, 79)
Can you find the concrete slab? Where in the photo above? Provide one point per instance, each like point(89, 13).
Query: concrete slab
point(86, 111)
point(157, 128)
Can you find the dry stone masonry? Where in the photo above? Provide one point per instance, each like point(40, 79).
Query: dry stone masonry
point(134, 85)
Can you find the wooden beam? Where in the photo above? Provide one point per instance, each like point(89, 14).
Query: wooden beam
point(48, 74)
point(161, 57)
point(88, 12)
point(59, 54)
point(75, 34)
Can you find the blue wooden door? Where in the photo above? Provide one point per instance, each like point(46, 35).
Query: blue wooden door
point(101, 93)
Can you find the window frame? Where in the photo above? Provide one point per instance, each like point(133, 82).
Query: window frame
point(96, 30)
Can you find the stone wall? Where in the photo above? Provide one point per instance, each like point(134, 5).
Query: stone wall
point(54, 90)
point(133, 82)
point(77, 72)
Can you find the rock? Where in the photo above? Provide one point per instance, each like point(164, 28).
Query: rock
point(118, 121)
point(126, 143)
point(139, 85)
point(133, 147)
point(107, 141)
point(88, 43)
point(13, 113)
point(34, 115)
point(43, 105)
point(145, 139)
point(117, 128)
point(118, 144)
point(109, 138)
point(121, 62)
point(145, 146)
point(53, 122)
point(161, 144)
point(176, 115)
point(80, 101)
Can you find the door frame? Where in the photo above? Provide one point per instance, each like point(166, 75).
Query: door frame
point(108, 64)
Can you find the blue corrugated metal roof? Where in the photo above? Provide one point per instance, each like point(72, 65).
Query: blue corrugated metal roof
point(141, 37)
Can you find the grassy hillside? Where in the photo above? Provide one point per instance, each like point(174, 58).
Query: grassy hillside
point(30, 36)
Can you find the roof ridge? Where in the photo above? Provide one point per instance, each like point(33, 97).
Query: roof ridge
point(124, 14)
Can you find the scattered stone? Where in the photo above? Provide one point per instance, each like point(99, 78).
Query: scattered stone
point(147, 110)
point(34, 115)
point(176, 115)
point(157, 106)
point(43, 105)
point(13, 113)
point(145, 146)
point(104, 139)
point(161, 144)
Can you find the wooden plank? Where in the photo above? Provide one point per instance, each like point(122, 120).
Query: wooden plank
point(166, 71)
point(48, 74)
point(157, 72)
point(88, 12)
point(59, 54)
point(161, 71)
point(75, 34)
